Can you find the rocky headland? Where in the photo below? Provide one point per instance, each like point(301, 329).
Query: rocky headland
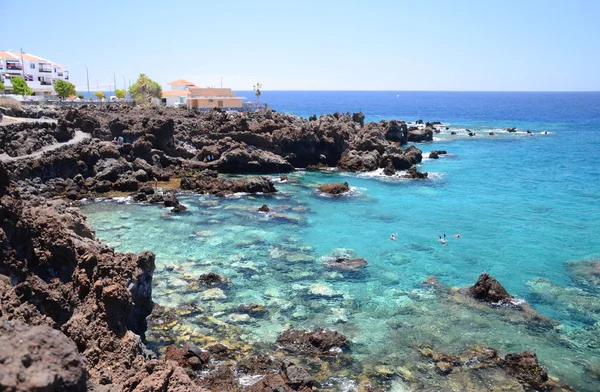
point(84, 310)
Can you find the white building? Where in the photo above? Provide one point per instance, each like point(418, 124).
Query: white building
point(179, 92)
point(39, 72)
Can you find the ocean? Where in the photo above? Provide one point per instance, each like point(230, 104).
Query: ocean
point(526, 206)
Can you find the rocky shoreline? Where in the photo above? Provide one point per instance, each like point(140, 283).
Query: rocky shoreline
point(84, 309)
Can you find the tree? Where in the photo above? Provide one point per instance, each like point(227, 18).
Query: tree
point(120, 93)
point(100, 95)
point(2, 88)
point(257, 88)
point(80, 96)
point(20, 87)
point(144, 89)
point(64, 89)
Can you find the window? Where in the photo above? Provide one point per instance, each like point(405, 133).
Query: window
point(32, 66)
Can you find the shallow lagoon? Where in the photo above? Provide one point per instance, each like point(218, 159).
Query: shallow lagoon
point(522, 211)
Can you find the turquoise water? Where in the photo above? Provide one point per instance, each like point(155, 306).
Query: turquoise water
point(524, 206)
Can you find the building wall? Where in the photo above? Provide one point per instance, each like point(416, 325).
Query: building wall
point(211, 92)
point(179, 87)
point(170, 100)
point(205, 103)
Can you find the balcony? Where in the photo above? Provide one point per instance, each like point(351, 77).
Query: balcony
point(60, 74)
point(14, 67)
point(45, 68)
point(45, 83)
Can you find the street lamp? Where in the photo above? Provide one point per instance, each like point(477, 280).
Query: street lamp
point(87, 76)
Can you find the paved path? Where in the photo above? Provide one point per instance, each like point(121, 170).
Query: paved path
point(79, 137)
point(7, 120)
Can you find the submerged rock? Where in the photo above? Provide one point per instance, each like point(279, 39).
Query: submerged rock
point(344, 264)
point(264, 208)
point(334, 188)
point(317, 342)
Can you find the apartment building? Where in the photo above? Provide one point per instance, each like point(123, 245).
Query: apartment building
point(39, 72)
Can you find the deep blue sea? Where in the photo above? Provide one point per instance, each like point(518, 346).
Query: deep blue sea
point(526, 206)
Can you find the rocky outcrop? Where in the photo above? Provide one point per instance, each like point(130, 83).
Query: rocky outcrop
point(520, 371)
point(344, 264)
point(359, 160)
point(435, 154)
point(415, 174)
point(209, 182)
point(334, 188)
point(26, 138)
point(39, 358)
point(420, 135)
point(245, 160)
point(54, 273)
point(489, 289)
point(317, 342)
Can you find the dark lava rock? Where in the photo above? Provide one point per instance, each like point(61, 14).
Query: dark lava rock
point(39, 358)
point(317, 342)
point(246, 160)
point(511, 130)
point(345, 264)
point(353, 160)
point(335, 188)
point(491, 133)
point(420, 135)
point(264, 208)
point(433, 155)
point(270, 383)
point(525, 367)
point(389, 169)
point(207, 181)
point(298, 376)
point(415, 174)
point(489, 289)
point(188, 356)
point(213, 280)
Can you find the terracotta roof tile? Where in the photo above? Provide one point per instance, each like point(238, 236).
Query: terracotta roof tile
point(180, 82)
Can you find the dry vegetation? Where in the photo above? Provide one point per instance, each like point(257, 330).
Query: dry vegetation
point(10, 103)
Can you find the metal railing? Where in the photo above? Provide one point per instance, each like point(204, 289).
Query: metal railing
point(17, 67)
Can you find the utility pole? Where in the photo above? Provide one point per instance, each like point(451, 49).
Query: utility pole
point(23, 71)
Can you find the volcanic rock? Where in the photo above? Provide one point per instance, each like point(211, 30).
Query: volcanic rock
point(334, 188)
point(39, 358)
point(489, 289)
point(317, 342)
point(345, 264)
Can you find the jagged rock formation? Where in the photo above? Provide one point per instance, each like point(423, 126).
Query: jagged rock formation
point(54, 273)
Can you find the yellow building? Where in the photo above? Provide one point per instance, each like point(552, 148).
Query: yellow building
point(209, 98)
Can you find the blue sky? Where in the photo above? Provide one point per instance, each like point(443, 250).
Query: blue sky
point(318, 45)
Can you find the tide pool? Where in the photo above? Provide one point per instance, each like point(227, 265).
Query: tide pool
point(522, 213)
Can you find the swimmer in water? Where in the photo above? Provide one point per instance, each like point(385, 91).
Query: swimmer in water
point(443, 240)
point(457, 235)
point(393, 236)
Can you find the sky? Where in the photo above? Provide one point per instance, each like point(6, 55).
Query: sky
point(490, 45)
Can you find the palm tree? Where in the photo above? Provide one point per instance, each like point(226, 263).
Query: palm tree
point(257, 88)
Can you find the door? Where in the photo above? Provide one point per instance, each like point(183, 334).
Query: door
point(220, 104)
